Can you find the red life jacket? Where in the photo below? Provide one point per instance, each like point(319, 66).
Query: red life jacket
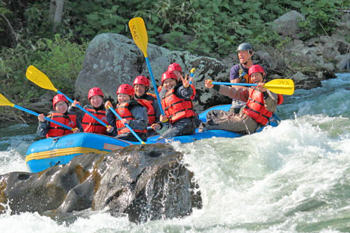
point(90, 124)
point(255, 107)
point(153, 95)
point(151, 114)
point(66, 119)
point(176, 108)
point(124, 112)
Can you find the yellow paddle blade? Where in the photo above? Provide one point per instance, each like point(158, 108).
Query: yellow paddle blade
point(139, 34)
point(39, 78)
point(192, 70)
point(281, 86)
point(5, 102)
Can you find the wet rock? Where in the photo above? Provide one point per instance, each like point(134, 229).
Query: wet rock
point(146, 182)
point(303, 81)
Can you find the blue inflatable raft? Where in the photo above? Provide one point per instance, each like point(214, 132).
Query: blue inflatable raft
point(49, 152)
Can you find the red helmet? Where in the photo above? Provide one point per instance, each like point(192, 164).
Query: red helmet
point(57, 98)
point(174, 66)
point(256, 69)
point(142, 80)
point(126, 89)
point(95, 91)
point(167, 75)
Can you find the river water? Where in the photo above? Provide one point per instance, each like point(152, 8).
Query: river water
point(292, 178)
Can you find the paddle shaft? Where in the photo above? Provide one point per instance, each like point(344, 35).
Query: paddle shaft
point(127, 125)
point(83, 109)
point(46, 118)
point(233, 84)
point(154, 85)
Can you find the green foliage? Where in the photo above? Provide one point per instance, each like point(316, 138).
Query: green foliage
point(37, 23)
point(321, 17)
point(59, 59)
point(13, 62)
point(206, 27)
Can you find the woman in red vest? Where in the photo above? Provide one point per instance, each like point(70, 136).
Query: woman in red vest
point(148, 100)
point(97, 108)
point(132, 112)
point(60, 114)
point(261, 104)
point(177, 104)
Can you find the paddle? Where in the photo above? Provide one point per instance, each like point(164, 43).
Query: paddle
point(139, 34)
point(278, 86)
point(6, 102)
point(40, 79)
point(127, 125)
point(192, 71)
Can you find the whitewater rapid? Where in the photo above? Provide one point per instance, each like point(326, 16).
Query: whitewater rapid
point(291, 178)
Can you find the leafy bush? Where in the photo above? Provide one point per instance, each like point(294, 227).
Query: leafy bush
point(59, 59)
point(321, 17)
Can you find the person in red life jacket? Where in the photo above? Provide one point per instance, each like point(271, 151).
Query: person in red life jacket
point(239, 72)
point(177, 70)
point(60, 114)
point(97, 108)
point(261, 104)
point(141, 86)
point(177, 104)
point(132, 112)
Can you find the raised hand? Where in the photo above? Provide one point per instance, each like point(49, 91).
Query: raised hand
point(185, 81)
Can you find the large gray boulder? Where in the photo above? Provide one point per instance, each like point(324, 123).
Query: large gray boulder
point(146, 182)
point(287, 24)
point(113, 59)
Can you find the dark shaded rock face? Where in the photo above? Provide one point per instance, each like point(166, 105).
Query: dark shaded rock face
point(146, 182)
